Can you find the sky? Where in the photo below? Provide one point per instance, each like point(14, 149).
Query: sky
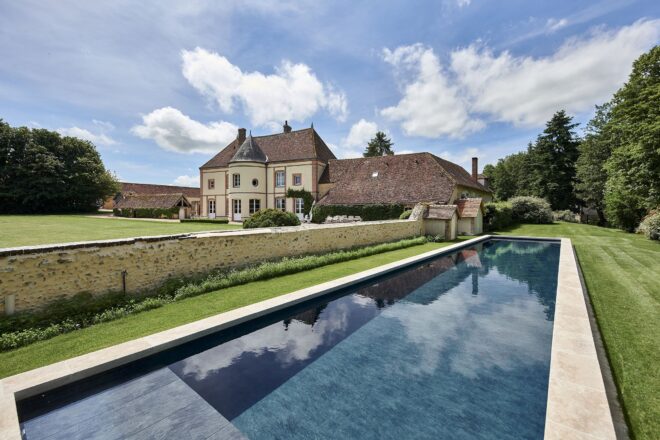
point(161, 86)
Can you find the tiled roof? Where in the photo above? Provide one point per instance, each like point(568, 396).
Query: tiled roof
point(162, 201)
point(468, 208)
point(440, 212)
point(249, 152)
point(404, 178)
point(146, 188)
point(296, 145)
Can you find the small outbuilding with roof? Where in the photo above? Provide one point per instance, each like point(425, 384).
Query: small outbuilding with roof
point(441, 220)
point(470, 216)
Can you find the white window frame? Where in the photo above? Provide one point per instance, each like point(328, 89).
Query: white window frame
point(236, 203)
point(299, 206)
point(299, 176)
point(254, 205)
point(280, 201)
point(280, 179)
point(236, 180)
point(211, 206)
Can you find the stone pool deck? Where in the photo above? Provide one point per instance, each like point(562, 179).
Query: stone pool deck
point(577, 406)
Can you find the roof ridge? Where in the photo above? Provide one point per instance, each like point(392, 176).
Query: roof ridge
point(280, 134)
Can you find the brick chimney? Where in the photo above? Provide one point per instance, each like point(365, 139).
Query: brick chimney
point(241, 136)
point(287, 127)
point(475, 169)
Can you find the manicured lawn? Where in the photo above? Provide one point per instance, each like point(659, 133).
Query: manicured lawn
point(188, 310)
point(30, 230)
point(622, 273)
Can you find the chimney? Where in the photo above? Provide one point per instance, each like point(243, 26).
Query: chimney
point(287, 127)
point(475, 169)
point(241, 136)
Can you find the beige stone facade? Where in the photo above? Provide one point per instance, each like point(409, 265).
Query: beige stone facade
point(33, 277)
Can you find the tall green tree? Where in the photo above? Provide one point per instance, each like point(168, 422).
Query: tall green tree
point(595, 149)
point(510, 177)
point(379, 145)
point(633, 170)
point(552, 162)
point(43, 172)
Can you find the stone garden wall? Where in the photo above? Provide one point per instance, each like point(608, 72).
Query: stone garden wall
point(31, 277)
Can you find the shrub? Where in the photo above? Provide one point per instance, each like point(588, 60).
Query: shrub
point(650, 225)
point(268, 218)
point(405, 215)
point(223, 220)
point(434, 238)
point(527, 209)
point(147, 212)
point(366, 212)
point(499, 215)
point(565, 216)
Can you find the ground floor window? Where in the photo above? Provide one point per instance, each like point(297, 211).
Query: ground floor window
point(255, 205)
point(300, 206)
point(211, 206)
point(237, 206)
point(280, 203)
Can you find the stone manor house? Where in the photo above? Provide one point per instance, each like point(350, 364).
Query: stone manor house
point(255, 172)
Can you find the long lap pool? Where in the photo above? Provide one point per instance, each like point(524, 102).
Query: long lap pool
point(455, 347)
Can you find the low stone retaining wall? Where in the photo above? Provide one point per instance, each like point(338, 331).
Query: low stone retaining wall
point(31, 277)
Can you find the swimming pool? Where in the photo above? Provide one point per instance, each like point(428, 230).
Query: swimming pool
point(455, 347)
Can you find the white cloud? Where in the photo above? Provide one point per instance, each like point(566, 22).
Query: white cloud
point(360, 133)
point(293, 92)
point(462, 3)
point(103, 125)
point(174, 131)
point(553, 24)
point(187, 181)
point(81, 133)
point(479, 84)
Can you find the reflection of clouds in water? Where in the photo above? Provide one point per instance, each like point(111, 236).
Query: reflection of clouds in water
point(296, 343)
point(501, 335)
point(362, 300)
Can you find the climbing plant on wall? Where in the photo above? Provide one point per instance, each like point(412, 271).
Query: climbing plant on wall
point(307, 197)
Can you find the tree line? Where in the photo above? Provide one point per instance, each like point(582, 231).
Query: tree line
point(613, 169)
point(44, 172)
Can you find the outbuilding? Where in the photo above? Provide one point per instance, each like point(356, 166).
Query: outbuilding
point(170, 206)
point(441, 220)
point(470, 216)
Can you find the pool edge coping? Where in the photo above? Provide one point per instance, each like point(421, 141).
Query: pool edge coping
point(558, 421)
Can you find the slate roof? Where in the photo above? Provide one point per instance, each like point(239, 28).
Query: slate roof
point(440, 212)
point(160, 201)
point(249, 151)
point(146, 188)
point(303, 144)
point(468, 208)
point(404, 178)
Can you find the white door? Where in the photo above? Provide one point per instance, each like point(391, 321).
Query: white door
point(237, 210)
point(299, 208)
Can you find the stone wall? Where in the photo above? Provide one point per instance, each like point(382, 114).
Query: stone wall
point(35, 276)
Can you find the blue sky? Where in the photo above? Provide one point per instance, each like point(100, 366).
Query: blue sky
point(159, 87)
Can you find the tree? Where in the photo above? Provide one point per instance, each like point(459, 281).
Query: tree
point(510, 177)
point(379, 145)
point(633, 170)
point(552, 162)
point(595, 150)
point(43, 172)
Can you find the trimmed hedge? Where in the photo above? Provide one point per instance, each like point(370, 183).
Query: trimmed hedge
point(269, 218)
point(565, 216)
point(84, 310)
point(205, 220)
point(147, 212)
point(650, 225)
point(366, 212)
point(499, 215)
point(405, 215)
point(527, 209)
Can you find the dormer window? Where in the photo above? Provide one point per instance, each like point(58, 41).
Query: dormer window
point(236, 180)
point(374, 174)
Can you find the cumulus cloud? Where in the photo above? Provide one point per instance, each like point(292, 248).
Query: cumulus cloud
point(293, 92)
point(479, 84)
point(360, 133)
point(187, 181)
point(174, 131)
point(82, 133)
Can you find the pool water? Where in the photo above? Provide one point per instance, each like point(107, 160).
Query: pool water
point(457, 347)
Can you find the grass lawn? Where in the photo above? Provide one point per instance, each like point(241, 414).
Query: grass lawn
point(622, 273)
point(188, 310)
point(30, 230)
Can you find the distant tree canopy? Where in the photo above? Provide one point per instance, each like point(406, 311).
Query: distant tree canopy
point(379, 145)
point(43, 172)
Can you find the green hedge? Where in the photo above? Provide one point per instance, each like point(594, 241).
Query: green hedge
point(527, 209)
point(223, 220)
point(366, 212)
point(84, 310)
point(499, 215)
point(650, 225)
point(405, 215)
point(268, 218)
point(147, 212)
